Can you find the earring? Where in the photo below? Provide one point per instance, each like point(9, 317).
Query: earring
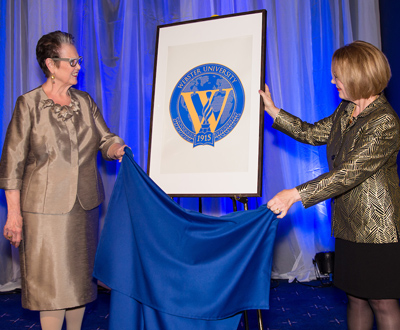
point(53, 79)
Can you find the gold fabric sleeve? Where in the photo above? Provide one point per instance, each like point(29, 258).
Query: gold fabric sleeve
point(362, 177)
point(50, 152)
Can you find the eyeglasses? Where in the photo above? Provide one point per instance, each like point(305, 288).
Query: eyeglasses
point(72, 61)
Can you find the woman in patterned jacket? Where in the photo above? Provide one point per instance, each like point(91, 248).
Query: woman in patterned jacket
point(363, 140)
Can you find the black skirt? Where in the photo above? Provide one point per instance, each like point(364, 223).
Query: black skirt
point(367, 270)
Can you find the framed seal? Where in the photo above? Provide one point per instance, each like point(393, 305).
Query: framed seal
point(206, 104)
point(206, 132)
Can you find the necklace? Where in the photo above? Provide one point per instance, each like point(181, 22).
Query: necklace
point(63, 112)
point(366, 105)
point(351, 116)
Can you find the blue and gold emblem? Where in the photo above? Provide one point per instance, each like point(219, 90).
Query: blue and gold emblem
point(206, 104)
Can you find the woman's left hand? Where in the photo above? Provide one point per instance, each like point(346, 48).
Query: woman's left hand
point(269, 105)
point(117, 151)
point(283, 201)
point(120, 152)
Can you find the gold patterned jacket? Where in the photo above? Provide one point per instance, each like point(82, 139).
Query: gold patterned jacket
point(50, 152)
point(362, 177)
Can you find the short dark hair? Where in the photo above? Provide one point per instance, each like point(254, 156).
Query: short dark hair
point(49, 46)
point(362, 68)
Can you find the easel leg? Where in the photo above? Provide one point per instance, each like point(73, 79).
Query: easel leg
point(246, 320)
point(260, 322)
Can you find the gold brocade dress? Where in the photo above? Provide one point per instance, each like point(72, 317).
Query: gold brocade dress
point(57, 258)
point(49, 154)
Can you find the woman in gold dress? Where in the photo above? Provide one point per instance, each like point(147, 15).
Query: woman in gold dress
point(53, 189)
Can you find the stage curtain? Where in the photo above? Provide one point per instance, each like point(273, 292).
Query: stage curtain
point(117, 40)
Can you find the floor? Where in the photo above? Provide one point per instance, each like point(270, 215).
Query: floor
point(311, 305)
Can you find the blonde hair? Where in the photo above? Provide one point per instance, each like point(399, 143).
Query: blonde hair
point(362, 68)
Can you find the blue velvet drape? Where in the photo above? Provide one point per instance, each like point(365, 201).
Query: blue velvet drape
point(179, 269)
point(117, 40)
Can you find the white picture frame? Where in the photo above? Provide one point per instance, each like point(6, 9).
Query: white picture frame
point(206, 132)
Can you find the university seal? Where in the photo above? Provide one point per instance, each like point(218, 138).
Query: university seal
point(207, 104)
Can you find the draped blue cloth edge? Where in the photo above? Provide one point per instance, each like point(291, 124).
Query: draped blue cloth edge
point(181, 262)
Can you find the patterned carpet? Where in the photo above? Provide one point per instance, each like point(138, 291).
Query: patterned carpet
point(292, 306)
point(303, 306)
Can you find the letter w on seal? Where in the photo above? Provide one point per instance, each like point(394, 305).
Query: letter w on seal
point(205, 97)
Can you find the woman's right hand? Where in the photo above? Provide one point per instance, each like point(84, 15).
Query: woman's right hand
point(269, 105)
point(283, 201)
point(13, 228)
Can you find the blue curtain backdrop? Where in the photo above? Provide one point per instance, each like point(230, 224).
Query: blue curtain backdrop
point(117, 40)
